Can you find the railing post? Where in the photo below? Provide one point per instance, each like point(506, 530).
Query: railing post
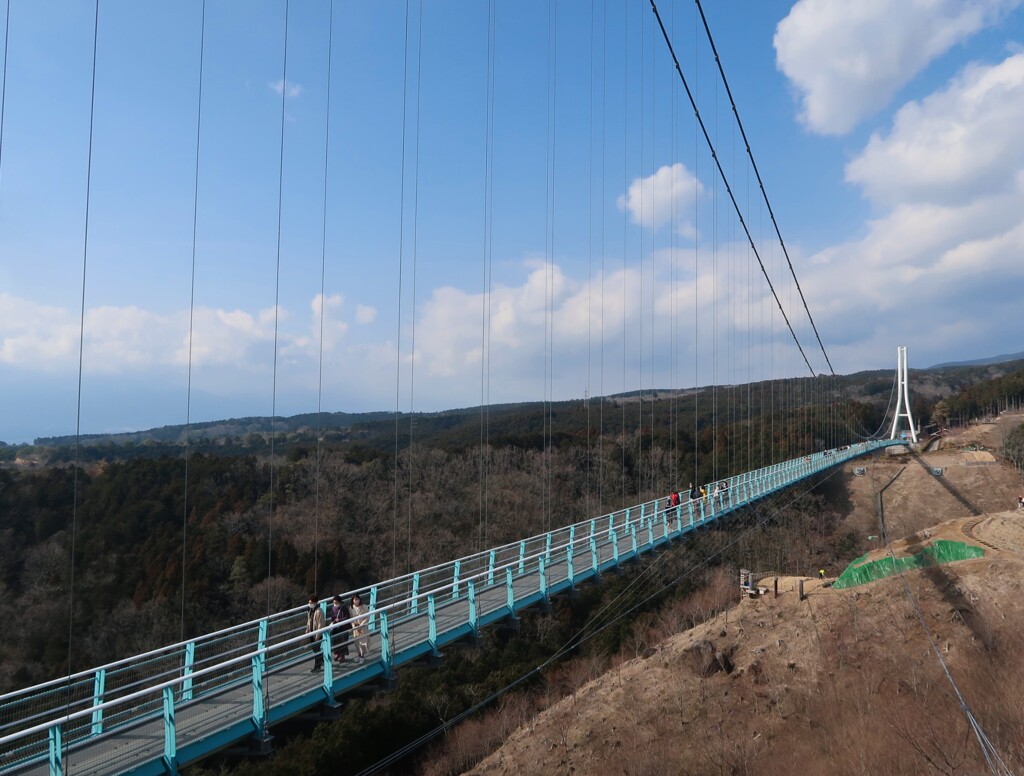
point(703, 514)
point(99, 682)
point(261, 635)
point(611, 520)
point(327, 650)
point(542, 569)
point(414, 606)
point(547, 547)
point(170, 739)
point(259, 713)
point(572, 535)
point(56, 751)
point(593, 554)
point(625, 521)
point(650, 531)
point(190, 660)
point(372, 625)
point(471, 594)
point(511, 597)
point(431, 623)
point(570, 550)
point(490, 568)
point(522, 556)
point(385, 644)
point(615, 545)
point(664, 524)
point(690, 506)
point(593, 527)
point(455, 579)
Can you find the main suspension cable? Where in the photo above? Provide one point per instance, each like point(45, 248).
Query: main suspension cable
point(725, 181)
point(760, 182)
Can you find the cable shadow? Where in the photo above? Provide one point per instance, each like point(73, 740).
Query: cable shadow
point(945, 484)
point(945, 583)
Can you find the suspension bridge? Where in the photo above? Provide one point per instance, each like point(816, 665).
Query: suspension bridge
point(156, 712)
point(166, 708)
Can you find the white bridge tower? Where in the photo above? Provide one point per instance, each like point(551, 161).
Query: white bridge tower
point(902, 396)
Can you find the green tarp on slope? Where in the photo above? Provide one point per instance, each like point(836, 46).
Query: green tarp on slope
point(862, 571)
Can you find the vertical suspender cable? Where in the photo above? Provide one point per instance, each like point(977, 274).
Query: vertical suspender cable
point(625, 228)
point(549, 275)
point(485, 305)
point(639, 460)
point(3, 84)
point(696, 279)
point(590, 269)
point(604, 219)
point(81, 349)
point(415, 241)
point(398, 314)
point(191, 317)
point(323, 305)
point(655, 480)
point(277, 307)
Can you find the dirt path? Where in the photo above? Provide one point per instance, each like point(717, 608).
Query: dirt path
point(1002, 532)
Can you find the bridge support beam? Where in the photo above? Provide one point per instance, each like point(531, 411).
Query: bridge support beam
point(56, 751)
point(170, 736)
point(98, 688)
point(190, 659)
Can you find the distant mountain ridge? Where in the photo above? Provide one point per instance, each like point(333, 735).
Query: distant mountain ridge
point(982, 361)
point(520, 421)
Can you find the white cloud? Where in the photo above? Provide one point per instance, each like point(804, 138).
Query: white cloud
point(942, 266)
point(292, 90)
point(952, 146)
point(365, 314)
point(665, 196)
point(847, 59)
point(119, 340)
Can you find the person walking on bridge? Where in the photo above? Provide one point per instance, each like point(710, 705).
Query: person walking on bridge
point(314, 623)
point(359, 626)
point(339, 635)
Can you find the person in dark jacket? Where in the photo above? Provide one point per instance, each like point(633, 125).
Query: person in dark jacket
point(338, 613)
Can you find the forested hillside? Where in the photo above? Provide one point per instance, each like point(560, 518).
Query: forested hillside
point(159, 555)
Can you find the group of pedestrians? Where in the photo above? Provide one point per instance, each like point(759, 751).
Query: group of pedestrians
point(351, 624)
point(704, 493)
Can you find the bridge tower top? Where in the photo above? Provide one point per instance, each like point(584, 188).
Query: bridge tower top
point(902, 396)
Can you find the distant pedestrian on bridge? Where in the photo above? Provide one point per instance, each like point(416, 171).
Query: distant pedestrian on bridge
point(314, 623)
point(339, 636)
point(673, 499)
point(693, 492)
point(359, 626)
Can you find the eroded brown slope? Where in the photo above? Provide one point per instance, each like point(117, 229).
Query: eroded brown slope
point(842, 682)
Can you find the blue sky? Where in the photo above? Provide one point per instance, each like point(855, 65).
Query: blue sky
point(606, 256)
